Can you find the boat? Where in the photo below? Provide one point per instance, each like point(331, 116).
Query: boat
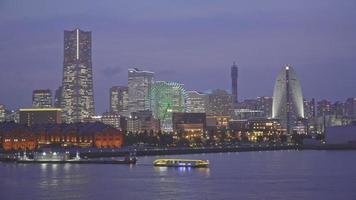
point(180, 163)
point(64, 157)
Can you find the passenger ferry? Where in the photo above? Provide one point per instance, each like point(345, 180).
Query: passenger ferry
point(180, 163)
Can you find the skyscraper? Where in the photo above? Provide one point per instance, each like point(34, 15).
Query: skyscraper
point(42, 98)
point(77, 86)
point(119, 100)
point(234, 76)
point(58, 97)
point(2, 113)
point(287, 98)
point(139, 84)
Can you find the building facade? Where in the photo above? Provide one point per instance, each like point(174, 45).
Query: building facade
point(197, 102)
point(189, 125)
point(220, 103)
point(287, 99)
point(350, 108)
point(35, 116)
point(139, 84)
point(2, 113)
point(42, 99)
point(77, 85)
point(119, 100)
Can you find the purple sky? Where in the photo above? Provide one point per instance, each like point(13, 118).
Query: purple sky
point(192, 42)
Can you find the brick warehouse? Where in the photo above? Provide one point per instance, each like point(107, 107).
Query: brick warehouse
point(21, 137)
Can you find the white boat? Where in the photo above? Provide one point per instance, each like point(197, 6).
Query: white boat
point(180, 163)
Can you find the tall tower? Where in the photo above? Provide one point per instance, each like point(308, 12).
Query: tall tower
point(139, 85)
point(77, 85)
point(287, 98)
point(234, 76)
point(119, 100)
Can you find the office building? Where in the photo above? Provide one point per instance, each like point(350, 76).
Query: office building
point(139, 84)
point(42, 99)
point(323, 108)
point(58, 97)
point(34, 116)
point(197, 102)
point(220, 103)
point(2, 113)
point(350, 108)
point(119, 100)
point(77, 85)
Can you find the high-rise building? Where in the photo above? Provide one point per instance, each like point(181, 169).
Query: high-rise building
point(309, 108)
point(196, 102)
point(2, 113)
point(234, 76)
point(58, 97)
point(350, 108)
point(164, 99)
point(220, 103)
point(42, 99)
point(119, 100)
point(139, 84)
point(287, 99)
point(338, 109)
point(77, 86)
point(265, 104)
point(323, 108)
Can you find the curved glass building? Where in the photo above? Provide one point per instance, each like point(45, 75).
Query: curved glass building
point(287, 98)
point(164, 98)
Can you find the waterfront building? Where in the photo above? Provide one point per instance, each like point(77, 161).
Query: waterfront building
point(197, 102)
point(139, 85)
point(58, 97)
point(42, 99)
point(98, 135)
point(220, 103)
point(287, 99)
point(234, 77)
point(119, 100)
point(2, 113)
point(350, 108)
point(189, 125)
point(164, 99)
point(323, 108)
point(32, 116)
point(112, 119)
point(142, 121)
point(77, 85)
point(264, 129)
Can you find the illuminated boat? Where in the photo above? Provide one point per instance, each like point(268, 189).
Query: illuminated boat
point(180, 163)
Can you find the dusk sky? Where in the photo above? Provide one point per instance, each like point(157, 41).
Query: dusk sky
point(191, 42)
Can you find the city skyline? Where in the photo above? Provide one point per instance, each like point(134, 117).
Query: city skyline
point(313, 54)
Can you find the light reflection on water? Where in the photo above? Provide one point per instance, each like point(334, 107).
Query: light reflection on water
point(248, 175)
